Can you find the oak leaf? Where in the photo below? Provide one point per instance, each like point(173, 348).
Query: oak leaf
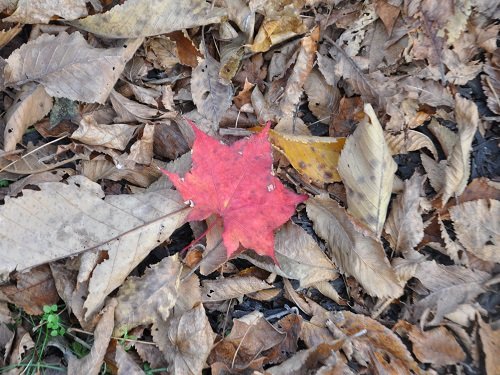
point(235, 183)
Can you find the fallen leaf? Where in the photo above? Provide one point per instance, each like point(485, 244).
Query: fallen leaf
point(313, 157)
point(355, 252)
point(91, 363)
point(144, 300)
point(491, 83)
point(65, 65)
point(175, 339)
point(115, 136)
point(404, 224)
point(299, 257)
point(6, 335)
point(234, 287)
point(490, 338)
point(211, 96)
point(139, 18)
point(40, 11)
point(437, 346)
point(449, 286)
point(367, 170)
point(478, 228)
point(131, 111)
point(277, 29)
point(457, 169)
point(446, 137)
point(125, 363)
point(261, 203)
point(7, 35)
point(141, 151)
point(410, 140)
point(323, 98)
point(32, 104)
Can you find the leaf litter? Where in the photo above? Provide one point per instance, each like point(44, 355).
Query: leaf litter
point(329, 195)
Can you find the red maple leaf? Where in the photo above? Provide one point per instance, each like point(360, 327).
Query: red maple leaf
point(236, 183)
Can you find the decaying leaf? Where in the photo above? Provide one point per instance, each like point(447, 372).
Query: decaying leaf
point(367, 170)
point(490, 338)
point(299, 257)
point(437, 346)
point(32, 104)
point(66, 66)
point(115, 136)
point(410, 140)
point(125, 363)
point(314, 157)
point(478, 228)
point(356, 252)
point(234, 287)
point(141, 151)
point(211, 96)
point(139, 18)
point(404, 224)
point(91, 363)
point(323, 98)
point(457, 169)
point(40, 11)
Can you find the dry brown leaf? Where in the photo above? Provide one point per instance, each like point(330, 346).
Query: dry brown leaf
point(478, 228)
point(186, 341)
point(144, 300)
point(379, 345)
point(115, 136)
point(92, 362)
point(146, 95)
point(139, 18)
point(410, 140)
point(6, 335)
point(435, 171)
point(437, 346)
point(449, 286)
point(404, 224)
point(141, 151)
point(7, 35)
point(239, 12)
point(66, 66)
point(457, 169)
point(490, 338)
point(302, 68)
point(41, 11)
point(250, 336)
point(211, 95)
point(446, 137)
point(491, 82)
point(31, 105)
point(31, 290)
point(356, 253)
point(367, 170)
point(323, 98)
point(125, 363)
point(131, 111)
point(277, 29)
point(234, 287)
point(313, 157)
point(299, 257)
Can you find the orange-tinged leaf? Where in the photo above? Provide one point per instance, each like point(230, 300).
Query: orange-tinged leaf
point(313, 157)
point(235, 182)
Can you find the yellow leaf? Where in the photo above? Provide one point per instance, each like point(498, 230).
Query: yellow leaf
point(274, 31)
point(313, 157)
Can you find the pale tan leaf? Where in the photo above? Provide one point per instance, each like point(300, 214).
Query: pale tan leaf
point(91, 363)
point(458, 163)
point(302, 68)
point(41, 11)
point(144, 300)
point(437, 346)
point(477, 226)
point(211, 95)
point(7, 35)
point(490, 338)
point(115, 136)
point(131, 111)
point(404, 224)
point(323, 98)
point(451, 248)
point(239, 12)
point(142, 150)
point(445, 136)
point(31, 105)
point(435, 171)
point(449, 287)
point(146, 95)
point(367, 170)
point(234, 287)
point(125, 363)
point(356, 253)
point(298, 255)
point(139, 18)
point(186, 341)
point(66, 66)
point(409, 140)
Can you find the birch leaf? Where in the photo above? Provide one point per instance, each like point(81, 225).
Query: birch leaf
point(32, 104)
point(66, 66)
point(140, 18)
point(211, 96)
point(457, 169)
point(404, 224)
point(367, 170)
point(355, 253)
